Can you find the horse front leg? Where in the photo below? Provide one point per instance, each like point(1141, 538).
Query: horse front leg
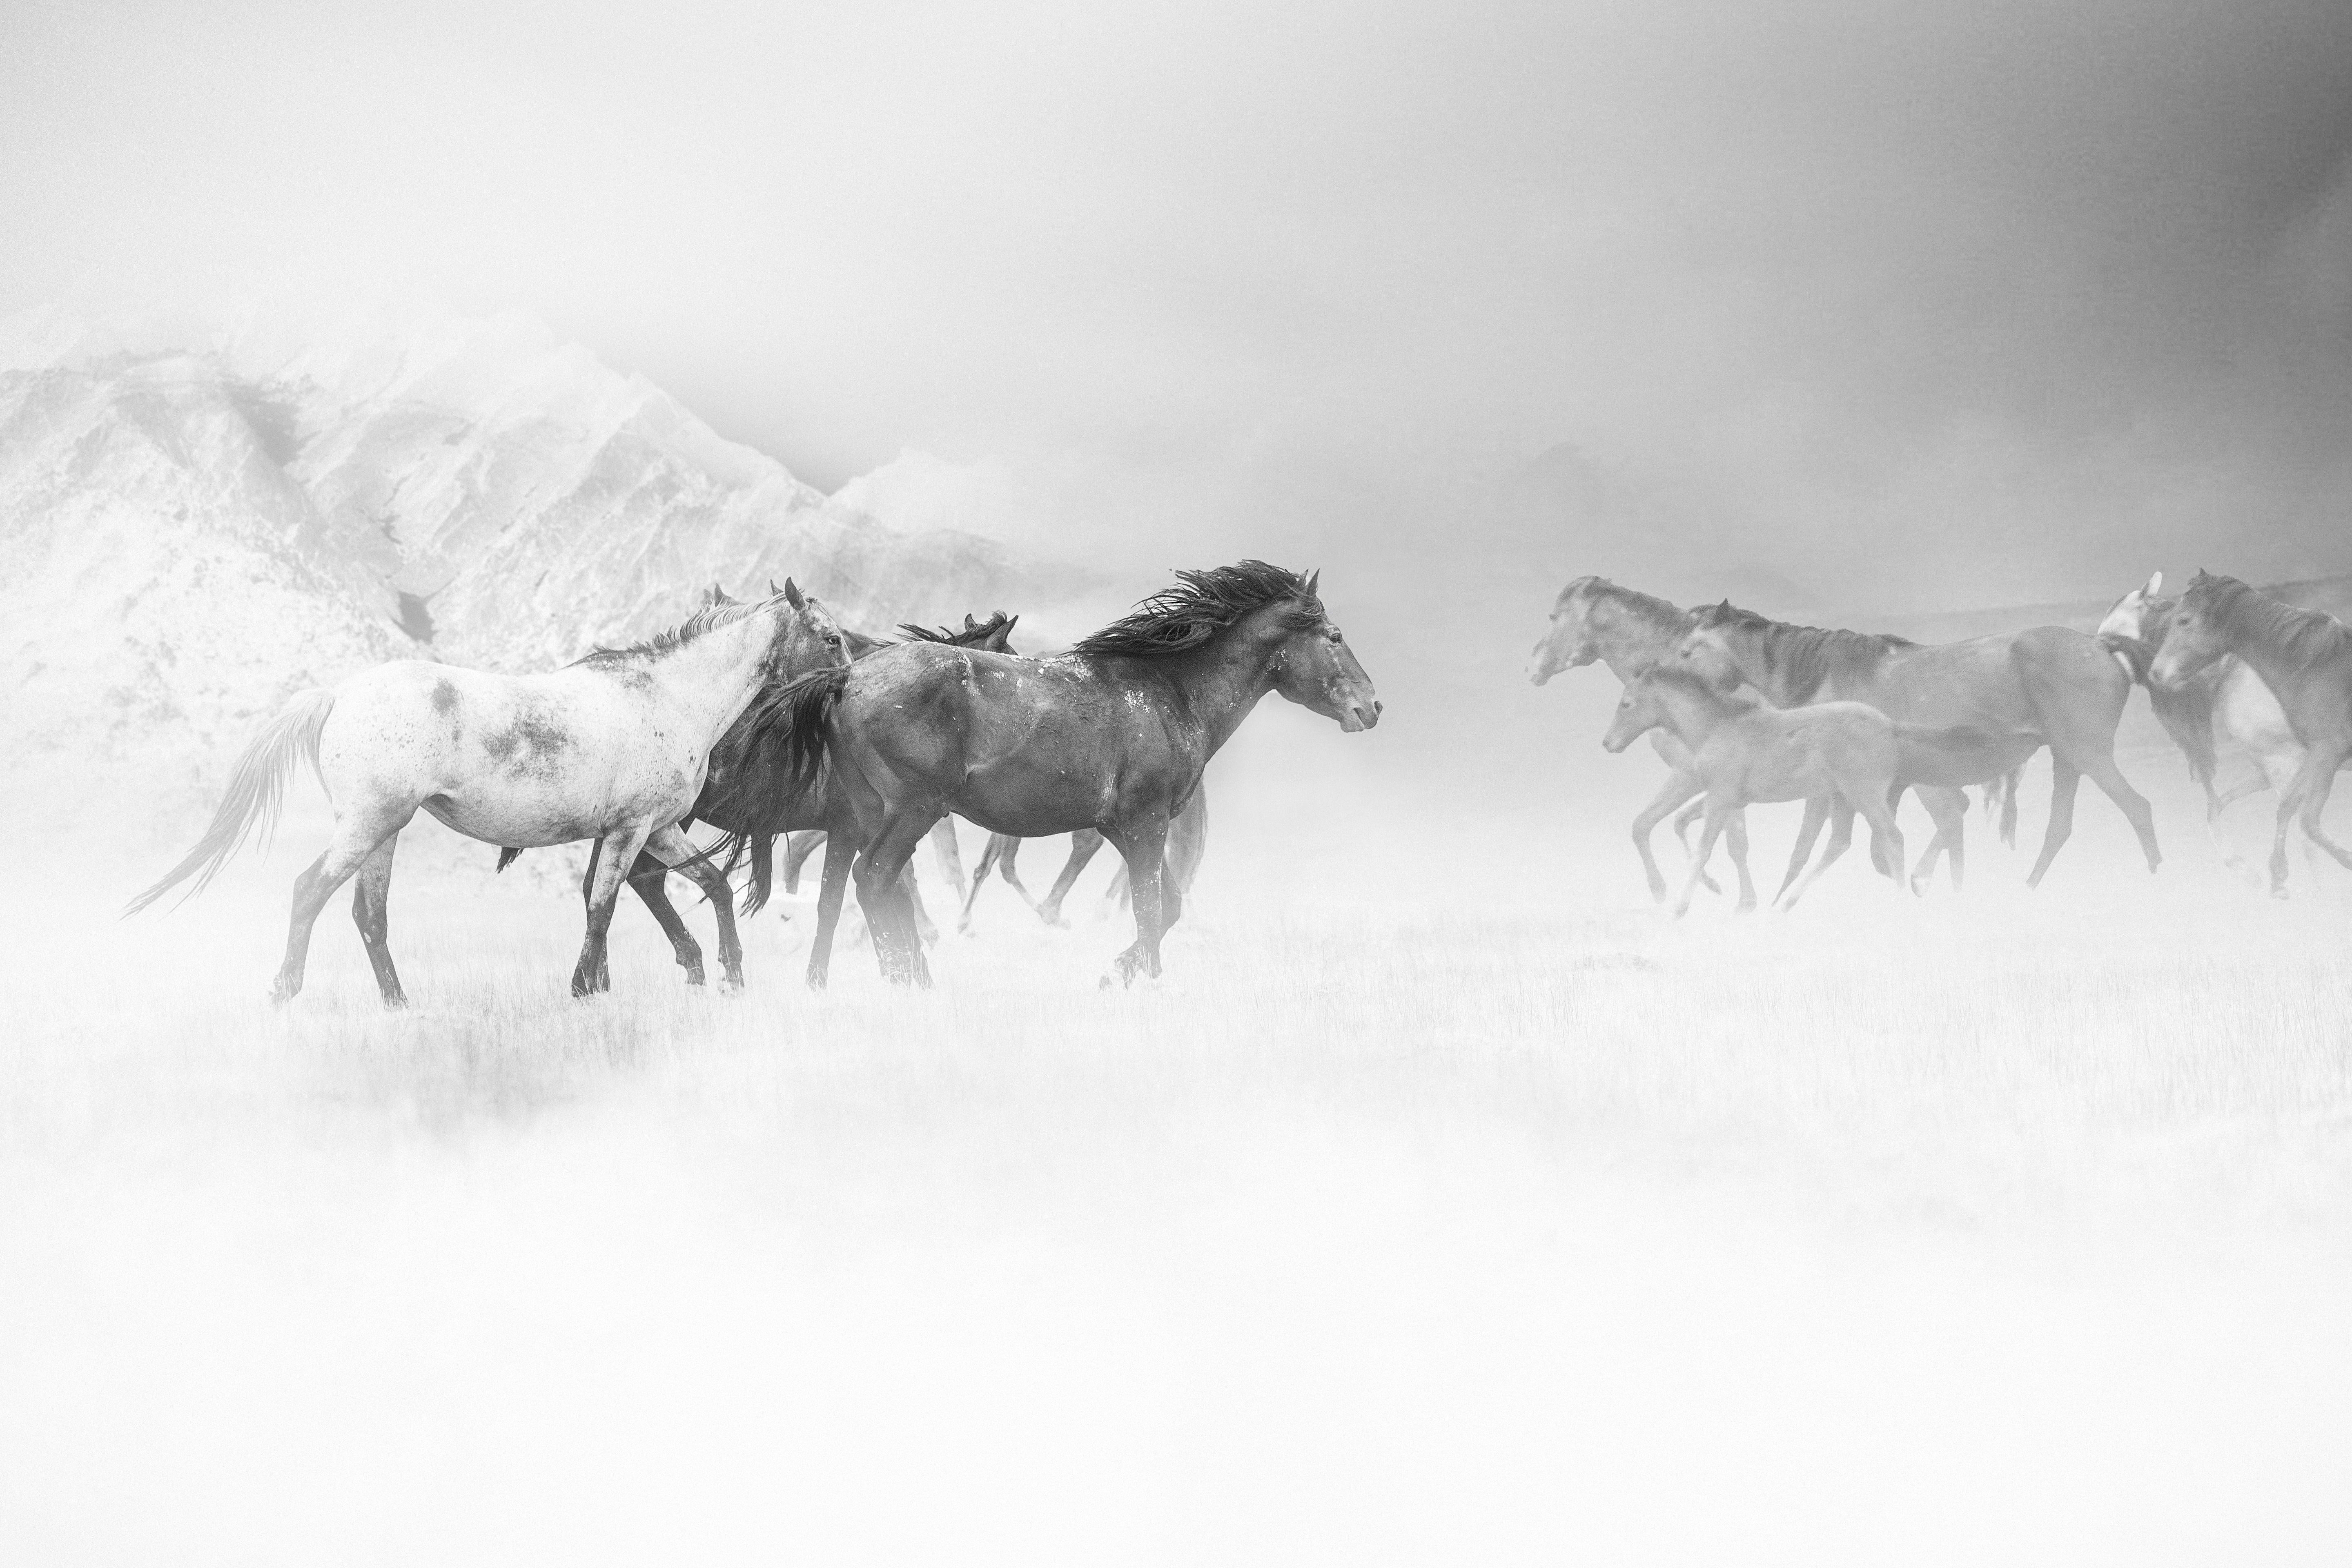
point(1144, 847)
point(678, 851)
point(2316, 780)
point(2065, 779)
point(828, 907)
point(950, 853)
point(882, 894)
point(648, 877)
point(1680, 785)
point(615, 854)
point(1841, 836)
point(1716, 815)
point(1084, 844)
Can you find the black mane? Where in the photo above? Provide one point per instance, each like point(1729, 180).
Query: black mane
point(1662, 614)
point(1803, 658)
point(972, 635)
point(1203, 605)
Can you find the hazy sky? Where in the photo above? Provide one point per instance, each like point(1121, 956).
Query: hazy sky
point(1939, 302)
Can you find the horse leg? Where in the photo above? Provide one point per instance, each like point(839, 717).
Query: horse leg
point(980, 871)
point(828, 906)
point(797, 849)
point(1738, 838)
point(615, 854)
point(2318, 777)
point(370, 901)
point(1884, 828)
point(950, 853)
point(1144, 847)
point(1817, 811)
point(1840, 835)
point(2065, 778)
point(1682, 819)
point(1680, 785)
point(1084, 844)
point(674, 847)
point(355, 839)
point(2101, 770)
point(1716, 816)
point(649, 878)
point(882, 893)
point(1008, 867)
point(923, 926)
point(1949, 809)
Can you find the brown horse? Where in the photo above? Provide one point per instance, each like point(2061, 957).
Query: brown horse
point(2049, 682)
point(2303, 656)
point(1111, 735)
point(1744, 750)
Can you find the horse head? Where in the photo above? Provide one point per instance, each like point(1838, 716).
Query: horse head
point(1639, 711)
point(2130, 617)
point(1568, 644)
point(1312, 664)
point(807, 636)
point(2194, 635)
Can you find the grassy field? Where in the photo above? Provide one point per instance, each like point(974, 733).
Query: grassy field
point(1437, 1227)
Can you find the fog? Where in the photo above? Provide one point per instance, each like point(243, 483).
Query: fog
point(1444, 1201)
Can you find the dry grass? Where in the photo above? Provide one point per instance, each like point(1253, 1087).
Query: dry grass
point(1481, 1233)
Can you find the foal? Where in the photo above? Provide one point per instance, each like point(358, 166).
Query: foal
point(1744, 750)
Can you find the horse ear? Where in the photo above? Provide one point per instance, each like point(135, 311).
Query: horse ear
point(1313, 579)
point(793, 594)
point(2155, 584)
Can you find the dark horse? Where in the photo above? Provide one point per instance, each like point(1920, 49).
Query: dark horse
point(748, 795)
point(2048, 684)
point(1111, 735)
point(1188, 841)
point(2303, 656)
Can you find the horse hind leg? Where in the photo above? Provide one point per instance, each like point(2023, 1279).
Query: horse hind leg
point(1083, 846)
point(1738, 836)
point(1949, 809)
point(356, 837)
point(2065, 779)
point(371, 899)
point(1817, 811)
point(674, 847)
point(882, 894)
point(1680, 786)
point(828, 907)
point(610, 863)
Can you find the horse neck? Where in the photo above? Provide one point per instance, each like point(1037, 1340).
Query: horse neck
point(1691, 716)
point(714, 677)
point(1222, 682)
point(1630, 644)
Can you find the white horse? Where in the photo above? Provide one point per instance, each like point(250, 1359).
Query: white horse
point(2226, 697)
point(613, 748)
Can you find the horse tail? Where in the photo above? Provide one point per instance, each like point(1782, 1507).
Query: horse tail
point(762, 848)
point(256, 791)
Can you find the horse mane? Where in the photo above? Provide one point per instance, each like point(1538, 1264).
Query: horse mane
point(1660, 615)
point(1202, 604)
point(972, 636)
point(2300, 639)
point(1803, 658)
point(2186, 714)
point(719, 612)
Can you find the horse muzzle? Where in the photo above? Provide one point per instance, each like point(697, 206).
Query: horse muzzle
point(1358, 717)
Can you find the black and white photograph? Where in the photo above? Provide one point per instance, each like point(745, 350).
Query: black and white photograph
point(1284, 783)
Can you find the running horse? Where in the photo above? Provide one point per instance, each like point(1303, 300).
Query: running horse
point(1111, 735)
point(1629, 631)
point(612, 747)
point(1188, 842)
point(2059, 687)
point(2303, 656)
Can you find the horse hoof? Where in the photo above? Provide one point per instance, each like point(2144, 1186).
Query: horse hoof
point(395, 1002)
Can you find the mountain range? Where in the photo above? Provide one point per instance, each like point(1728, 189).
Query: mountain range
point(196, 521)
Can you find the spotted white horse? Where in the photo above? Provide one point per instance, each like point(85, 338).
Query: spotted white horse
point(613, 747)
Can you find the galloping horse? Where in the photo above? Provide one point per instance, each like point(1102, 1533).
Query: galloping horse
point(2226, 696)
point(1629, 631)
point(1744, 749)
point(613, 747)
point(2059, 685)
point(1111, 735)
point(2303, 656)
point(1188, 841)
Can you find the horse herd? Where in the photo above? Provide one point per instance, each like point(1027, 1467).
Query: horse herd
point(1744, 710)
point(769, 718)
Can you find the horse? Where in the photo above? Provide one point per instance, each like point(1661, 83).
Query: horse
point(1629, 631)
point(1188, 842)
point(2303, 656)
point(2060, 685)
point(613, 747)
point(2226, 696)
point(1111, 734)
point(1745, 749)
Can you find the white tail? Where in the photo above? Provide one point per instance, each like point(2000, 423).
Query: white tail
point(257, 791)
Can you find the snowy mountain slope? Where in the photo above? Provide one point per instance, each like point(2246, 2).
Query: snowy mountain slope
point(189, 533)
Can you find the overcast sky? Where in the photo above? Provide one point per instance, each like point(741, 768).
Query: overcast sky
point(1931, 303)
